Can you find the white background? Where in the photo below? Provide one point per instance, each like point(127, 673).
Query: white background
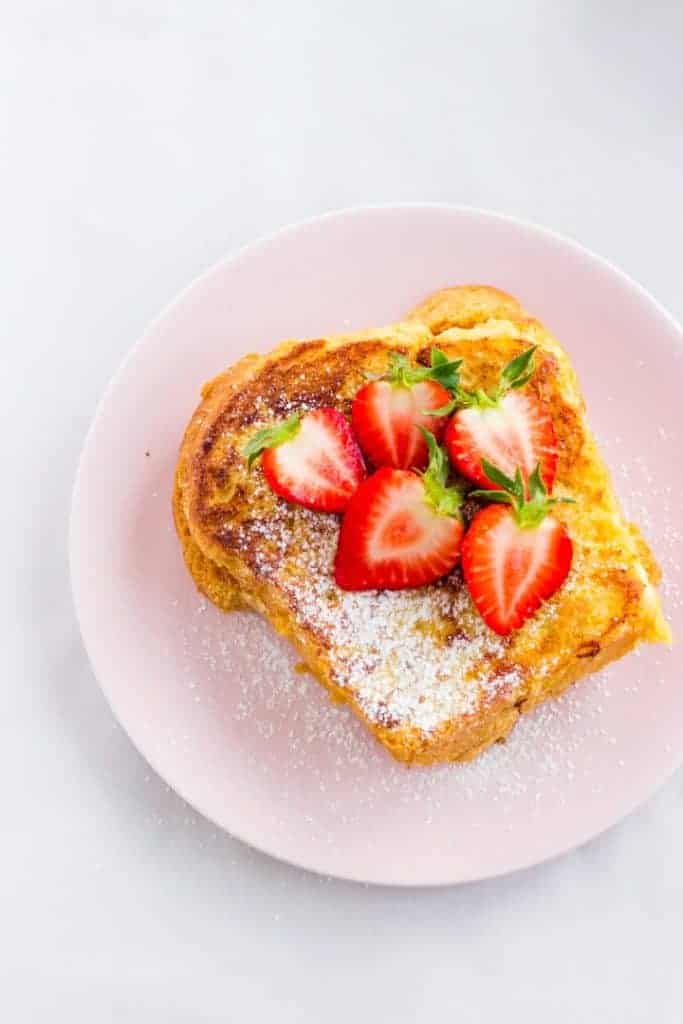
point(137, 148)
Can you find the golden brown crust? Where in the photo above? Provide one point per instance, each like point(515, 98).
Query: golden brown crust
point(464, 306)
point(607, 606)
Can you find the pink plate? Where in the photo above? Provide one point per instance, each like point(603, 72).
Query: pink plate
point(215, 702)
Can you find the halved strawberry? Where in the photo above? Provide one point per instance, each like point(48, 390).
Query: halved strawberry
point(506, 427)
point(515, 555)
point(387, 414)
point(311, 459)
point(400, 529)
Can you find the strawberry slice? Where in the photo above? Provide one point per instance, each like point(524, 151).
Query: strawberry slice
point(311, 459)
point(506, 427)
point(515, 555)
point(401, 529)
point(387, 414)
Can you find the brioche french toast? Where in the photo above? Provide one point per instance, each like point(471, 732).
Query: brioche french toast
point(419, 666)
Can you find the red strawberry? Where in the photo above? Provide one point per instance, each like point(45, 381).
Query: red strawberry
point(311, 459)
point(508, 428)
point(400, 529)
point(515, 555)
point(387, 414)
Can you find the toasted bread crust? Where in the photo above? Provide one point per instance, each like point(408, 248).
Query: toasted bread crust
point(246, 548)
point(464, 306)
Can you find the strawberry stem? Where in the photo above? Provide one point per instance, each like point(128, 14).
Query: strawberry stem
point(516, 374)
point(403, 374)
point(271, 437)
point(530, 512)
point(445, 500)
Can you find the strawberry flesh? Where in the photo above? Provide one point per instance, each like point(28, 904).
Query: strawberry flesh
point(320, 467)
point(386, 419)
point(391, 538)
point(517, 431)
point(509, 569)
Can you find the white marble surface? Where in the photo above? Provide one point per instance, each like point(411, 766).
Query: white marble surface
point(137, 148)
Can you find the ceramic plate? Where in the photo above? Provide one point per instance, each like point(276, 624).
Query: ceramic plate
point(215, 702)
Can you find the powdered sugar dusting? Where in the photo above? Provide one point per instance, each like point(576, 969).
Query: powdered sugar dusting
point(290, 732)
point(640, 491)
point(274, 705)
point(418, 656)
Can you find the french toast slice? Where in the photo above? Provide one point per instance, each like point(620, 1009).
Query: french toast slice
point(419, 667)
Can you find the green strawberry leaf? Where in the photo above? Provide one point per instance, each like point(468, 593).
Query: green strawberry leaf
point(439, 358)
point(537, 489)
point(497, 476)
point(518, 371)
point(516, 374)
point(444, 370)
point(445, 500)
point(443, 410)
point(530, 512)
point(403, 374)
point(271, 437)
point(497, 496)
point(519, 485)
point(399, 368)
